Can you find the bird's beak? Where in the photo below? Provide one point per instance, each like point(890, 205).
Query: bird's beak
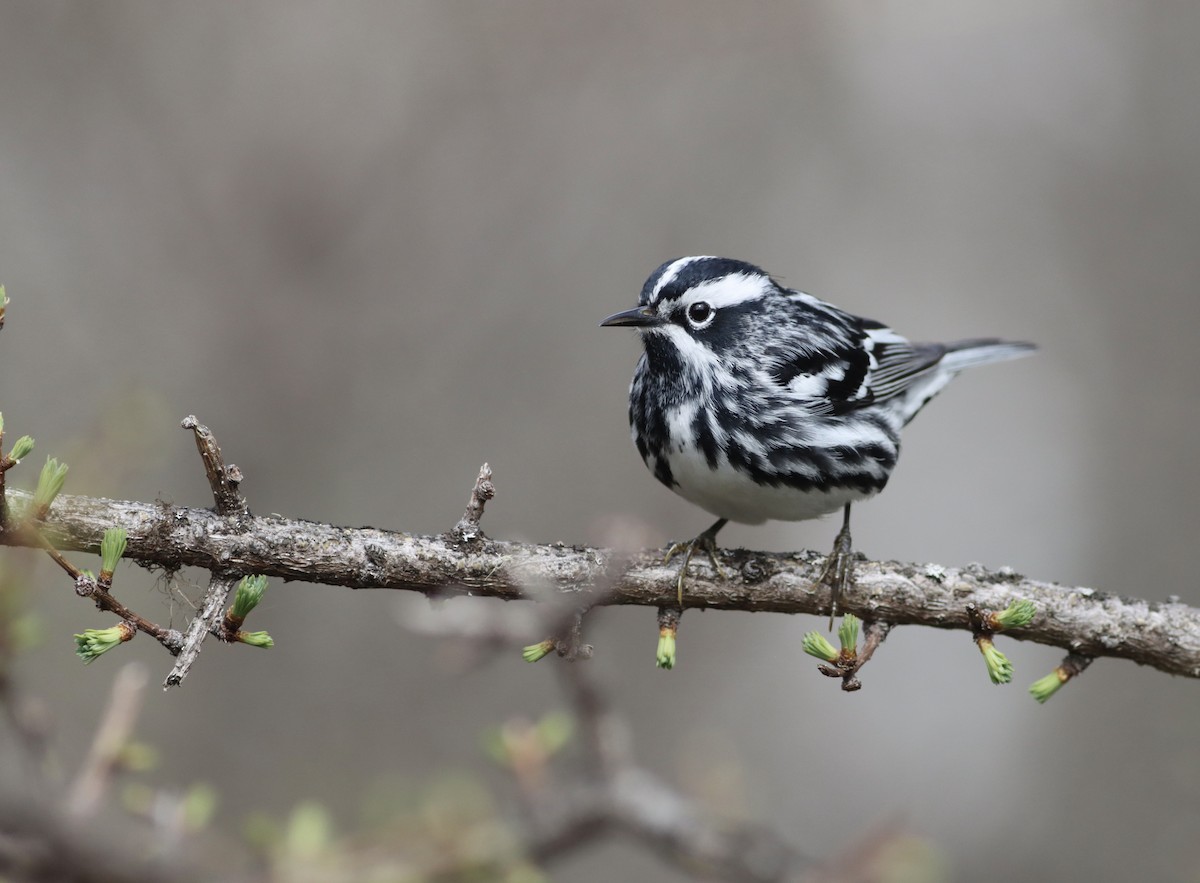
point(639, 317)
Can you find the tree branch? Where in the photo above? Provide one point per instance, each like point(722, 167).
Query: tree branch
point(1165, 636)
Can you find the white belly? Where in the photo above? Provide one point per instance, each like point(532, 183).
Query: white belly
point(728, 493)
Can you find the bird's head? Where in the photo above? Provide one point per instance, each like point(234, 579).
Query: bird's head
point(700, 298)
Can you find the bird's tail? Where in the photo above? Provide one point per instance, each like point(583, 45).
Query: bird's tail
point(982, 351)
point(958, 356)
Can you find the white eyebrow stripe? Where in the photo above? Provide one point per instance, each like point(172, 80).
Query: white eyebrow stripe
point(674, 270)
point(728, 291)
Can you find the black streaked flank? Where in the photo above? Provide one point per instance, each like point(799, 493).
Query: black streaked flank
point(706, 441)
point(662, 471)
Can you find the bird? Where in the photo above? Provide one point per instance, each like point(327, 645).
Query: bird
point(758, 402)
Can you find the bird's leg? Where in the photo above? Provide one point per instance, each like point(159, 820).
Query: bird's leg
point(706, 541)
point(838, 571)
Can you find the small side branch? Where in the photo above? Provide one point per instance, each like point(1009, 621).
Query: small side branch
point(224, 480)
point(468, 528)
point(207, 619)
point(86, 587)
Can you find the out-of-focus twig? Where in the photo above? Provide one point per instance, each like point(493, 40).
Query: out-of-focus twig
point(111, 739)
point(611, 794)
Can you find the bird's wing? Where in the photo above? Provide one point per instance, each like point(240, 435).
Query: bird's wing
point(895, 362)
point(832, 362)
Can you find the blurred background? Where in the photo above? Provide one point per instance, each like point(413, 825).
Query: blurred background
point(369, 245)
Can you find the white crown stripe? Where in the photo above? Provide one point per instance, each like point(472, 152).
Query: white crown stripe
point(672, 271)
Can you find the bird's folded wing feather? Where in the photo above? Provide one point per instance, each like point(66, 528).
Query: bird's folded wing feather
point(896, 363)
point(832, 362)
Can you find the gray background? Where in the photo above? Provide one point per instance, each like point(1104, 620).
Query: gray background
point(369, 245)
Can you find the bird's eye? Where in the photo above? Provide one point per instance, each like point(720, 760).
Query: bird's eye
point(699, 314)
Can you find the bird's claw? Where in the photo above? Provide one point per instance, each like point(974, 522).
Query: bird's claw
point(706, 542)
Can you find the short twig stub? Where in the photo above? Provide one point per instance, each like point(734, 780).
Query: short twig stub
point(468, 528)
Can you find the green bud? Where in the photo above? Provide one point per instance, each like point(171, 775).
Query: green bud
point(137, 757)
point(524, 873)
point(138, 798)
point(1016, 615)
point(262, 831)
point(495, 746)
point(50, 482)
point(199, 806)
point(848, 634)
point(816, 644)
point(554, 731)
point(534, 652)
point(249, 592)
point(256, 639)
point(1000, 670)
point(112, 548)
point(665, 657)
point(90, 645)
point(1043, 688)
point(25, 632)
point(21, 448)
point(309, 832)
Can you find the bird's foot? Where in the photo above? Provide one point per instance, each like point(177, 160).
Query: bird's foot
point(705, 542)
point(838, 572)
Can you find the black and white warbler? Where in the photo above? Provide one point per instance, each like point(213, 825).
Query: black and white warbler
point(757, 402)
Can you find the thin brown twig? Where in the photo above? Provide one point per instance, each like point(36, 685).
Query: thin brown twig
point(86, 587)
point(874, 634)
point(57, 557)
